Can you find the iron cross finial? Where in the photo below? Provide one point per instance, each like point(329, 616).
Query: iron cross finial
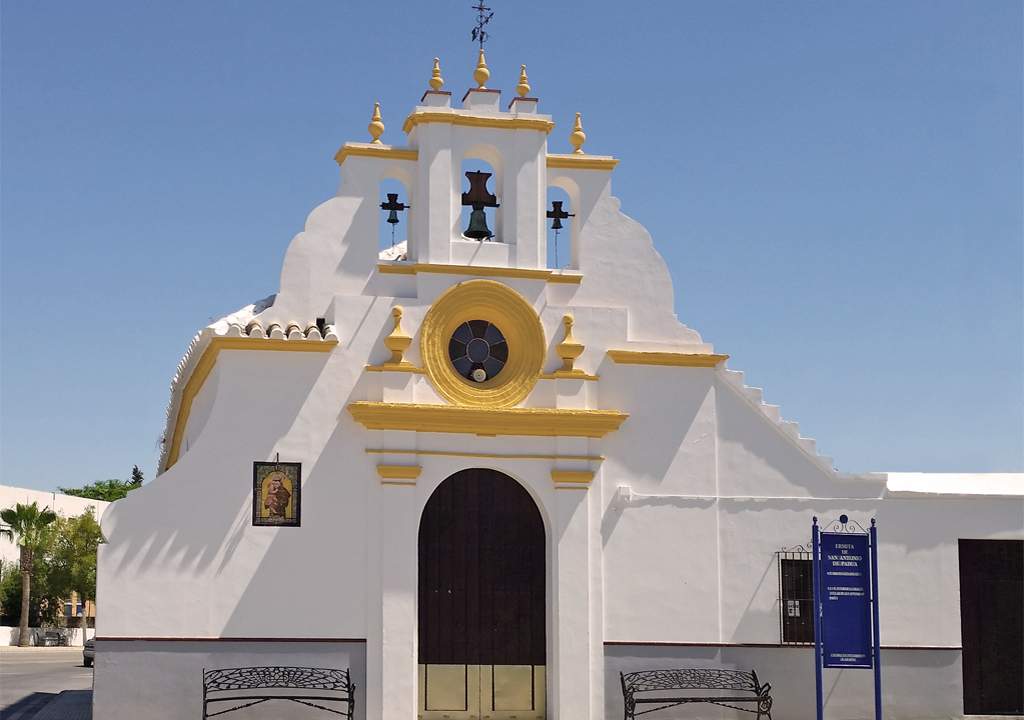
point(484, 15)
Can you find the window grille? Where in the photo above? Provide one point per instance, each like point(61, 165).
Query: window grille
point(796, 596)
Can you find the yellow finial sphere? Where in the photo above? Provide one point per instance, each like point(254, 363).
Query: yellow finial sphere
point(523, 88)
point(436, 81)
point(376, 126)
point(481, 73)
point(577, 137)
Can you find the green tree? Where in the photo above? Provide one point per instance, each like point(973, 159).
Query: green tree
point(108, 490)
point(28, 526)
point(72, 559)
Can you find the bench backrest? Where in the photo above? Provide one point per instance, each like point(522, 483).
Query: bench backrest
point(689, 679)
point(259, 678)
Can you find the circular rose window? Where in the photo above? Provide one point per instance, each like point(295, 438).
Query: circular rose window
point(478, 350)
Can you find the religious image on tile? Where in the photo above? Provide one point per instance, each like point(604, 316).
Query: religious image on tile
point(275, 491)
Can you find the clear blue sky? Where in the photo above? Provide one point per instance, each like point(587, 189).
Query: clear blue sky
point(835, 186)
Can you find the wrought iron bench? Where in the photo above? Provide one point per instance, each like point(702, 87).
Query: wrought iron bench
point(735, 689)
point(250, 686)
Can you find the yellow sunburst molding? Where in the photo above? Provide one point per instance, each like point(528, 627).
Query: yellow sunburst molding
point(496, 303)
point(487, 421)
point(677, 359)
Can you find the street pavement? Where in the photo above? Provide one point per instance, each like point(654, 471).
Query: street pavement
point(30, 678)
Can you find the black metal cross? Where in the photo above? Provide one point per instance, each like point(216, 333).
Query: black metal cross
point(484, 16)
point(393, 207)
point(557, 215)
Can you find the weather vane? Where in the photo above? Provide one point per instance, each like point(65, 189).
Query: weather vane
point(484, 16)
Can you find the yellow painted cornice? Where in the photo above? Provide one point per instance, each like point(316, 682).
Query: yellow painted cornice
point(384, 152)
point(209, 359)
point(677, 359)
point(404, 268)
point(582, 162)
point(502, 123)
point(399, 472)
point(575, 477)
point(488, 421)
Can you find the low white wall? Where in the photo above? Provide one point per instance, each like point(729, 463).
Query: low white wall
point(919, 683)
point(164, 679)
point(9, 635)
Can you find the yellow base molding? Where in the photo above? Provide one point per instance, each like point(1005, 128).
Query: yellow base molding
point(495, 456)
point(677, 359)
point(387, 152)
point(568, 375)
point(407, 268)
point(405, 367)
point(487, 421)
point(581, 162)
point(405, 473)
point(486, 121)
point(209, 359)
point(572, 477)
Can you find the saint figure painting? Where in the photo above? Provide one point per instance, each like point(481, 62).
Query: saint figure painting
point(275, 493)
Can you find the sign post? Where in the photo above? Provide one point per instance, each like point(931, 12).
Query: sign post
point(846, 603)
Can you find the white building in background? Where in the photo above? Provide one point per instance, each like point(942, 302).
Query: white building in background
point(66, 506)
point(487, 485)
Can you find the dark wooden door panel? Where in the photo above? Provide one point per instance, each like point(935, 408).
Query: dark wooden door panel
point(481, 579)
point(992, 626)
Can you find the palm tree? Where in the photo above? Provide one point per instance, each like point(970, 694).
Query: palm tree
point(28, 523)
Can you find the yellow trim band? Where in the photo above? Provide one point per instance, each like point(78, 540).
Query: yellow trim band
point(576, 477)
point(209, 359)
point(676, 359)
point(383, 152)
point(399, 472)
point(568, 375)
point(501, 123)
point(582, 162)
point(544, 422)
point(405, 367)
point(493, 456)
point(400, 268)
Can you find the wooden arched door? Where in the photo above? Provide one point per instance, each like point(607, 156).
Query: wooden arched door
point(481, 600)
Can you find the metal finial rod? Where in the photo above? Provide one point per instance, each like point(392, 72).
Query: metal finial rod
point(483, 16)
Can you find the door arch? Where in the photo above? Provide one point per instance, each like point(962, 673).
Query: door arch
point(481, 614)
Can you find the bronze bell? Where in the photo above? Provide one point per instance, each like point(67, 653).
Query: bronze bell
point(478, 229)
point(478, 198)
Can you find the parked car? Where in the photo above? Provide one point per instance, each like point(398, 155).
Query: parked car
point(89, 652)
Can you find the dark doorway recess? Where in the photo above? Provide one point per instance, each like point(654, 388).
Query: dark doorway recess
point(481, 573)
point(992, 626)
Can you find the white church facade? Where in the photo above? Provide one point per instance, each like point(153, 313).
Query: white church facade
point(486, 486)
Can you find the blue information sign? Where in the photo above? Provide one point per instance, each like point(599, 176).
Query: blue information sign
point(845, 596)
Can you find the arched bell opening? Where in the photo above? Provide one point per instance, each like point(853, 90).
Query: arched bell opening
point(481, 609)
point(564, 189)
point(480, 196)
point(559, 218)
point(393, 225)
